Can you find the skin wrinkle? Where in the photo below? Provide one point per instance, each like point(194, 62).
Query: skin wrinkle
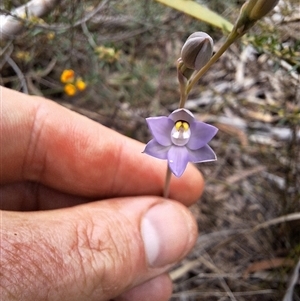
point(111, 261)
point(124, 245)
point(106, 256)
point(55, 264)
point(33, 169)
point(7, 282)
point(86, 250)
point(25, 266)
point(31, 252)
point(91, 251)
point(81, 281)
point(117, 161)
point(76, 276)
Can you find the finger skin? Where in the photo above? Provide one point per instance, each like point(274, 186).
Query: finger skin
point(91, 252)
point(44, 142)
point(156, 289)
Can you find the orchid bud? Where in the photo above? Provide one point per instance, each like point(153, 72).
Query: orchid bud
point(252, 11)
point(183, 70)
point(197, 50)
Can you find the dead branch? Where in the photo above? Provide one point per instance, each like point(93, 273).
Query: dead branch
point(12, 23)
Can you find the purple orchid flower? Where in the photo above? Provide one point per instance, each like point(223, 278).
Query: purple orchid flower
point(180, 139)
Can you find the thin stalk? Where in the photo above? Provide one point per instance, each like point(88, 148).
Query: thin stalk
point(182, 84)
point(183, 98)
point(167, 183)
point(230, 39)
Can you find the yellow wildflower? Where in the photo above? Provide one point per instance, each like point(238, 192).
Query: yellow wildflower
point(36, 20)
point(107, 54)
point(23, 56)
point(80, 84)
point(50, 35)
point(67, 76)
point(70, 89)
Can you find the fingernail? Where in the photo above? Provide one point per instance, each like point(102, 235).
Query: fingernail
point(169, 232)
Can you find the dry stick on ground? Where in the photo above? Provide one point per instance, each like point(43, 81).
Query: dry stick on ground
point(19, 73)
point(294, 279)
point(13, 23)
point(86, 17)
point(175, 274)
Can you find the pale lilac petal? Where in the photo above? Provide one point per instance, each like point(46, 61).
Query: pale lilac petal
point(178, 158)
point(161, 128)
point(203, 154)
point(182, 114)
point(154, 149)
point(201, 134)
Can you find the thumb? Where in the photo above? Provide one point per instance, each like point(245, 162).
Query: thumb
point(94, 251)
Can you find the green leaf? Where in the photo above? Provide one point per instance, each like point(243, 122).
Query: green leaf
point(199, 11)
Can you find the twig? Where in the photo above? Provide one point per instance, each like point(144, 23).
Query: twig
point(13, 23)
point(278, 220)
point(222, 294)
point(205, 242)
point(294, 279)
point(272, 222)
point(89, 36)
point(44, 72)
point(83, 20)
point(290, 70)
point(9, 48)
point(18, 72)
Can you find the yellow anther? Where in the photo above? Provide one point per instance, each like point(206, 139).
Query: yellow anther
point(178, 125)
point(185, 125)
point(182, 125)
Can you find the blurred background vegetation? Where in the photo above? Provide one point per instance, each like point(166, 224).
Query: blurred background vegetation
point(125, 53)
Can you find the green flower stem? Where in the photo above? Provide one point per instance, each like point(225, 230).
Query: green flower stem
point(230, 40)
point(167, 183)
point(182, 84)
point(183, 96)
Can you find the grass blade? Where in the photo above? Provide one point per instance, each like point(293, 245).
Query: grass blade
point(198, 11)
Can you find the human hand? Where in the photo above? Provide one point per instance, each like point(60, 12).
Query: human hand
point(58, 240)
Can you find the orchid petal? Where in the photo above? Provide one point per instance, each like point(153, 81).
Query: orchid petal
point(202, 133)
point(203, 154)
point(161, 128)
point(154, 149)
point(195, 149)
point(178, 158)
point(182, 114)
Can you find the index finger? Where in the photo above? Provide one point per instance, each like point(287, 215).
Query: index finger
point(47, 143)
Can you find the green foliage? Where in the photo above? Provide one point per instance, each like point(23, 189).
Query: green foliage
point(199, 12)
point(270, 42)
